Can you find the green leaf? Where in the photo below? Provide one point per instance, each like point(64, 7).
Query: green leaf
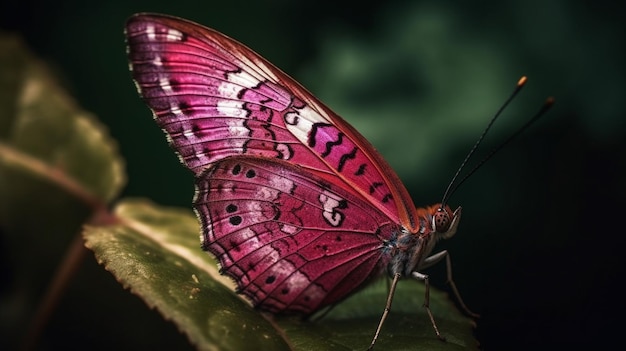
point(57, 165)
point(155, 252)
point(42, 124)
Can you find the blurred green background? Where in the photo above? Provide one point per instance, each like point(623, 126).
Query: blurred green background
point(539, 253)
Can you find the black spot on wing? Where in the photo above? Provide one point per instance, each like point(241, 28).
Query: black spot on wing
point(345, 157)
point(374, 186)
point(361, 170)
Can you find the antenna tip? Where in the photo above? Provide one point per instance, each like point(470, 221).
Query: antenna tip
point(522, 81)
point(549, 101)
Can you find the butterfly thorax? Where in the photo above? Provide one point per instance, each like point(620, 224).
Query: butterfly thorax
point(409, 249)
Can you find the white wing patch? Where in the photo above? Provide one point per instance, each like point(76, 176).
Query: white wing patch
point(174, 35)
point(150, 32)
point(330, 203)
point(300, 123)
point(164, 83)
point(231, 108)
point(243, 79)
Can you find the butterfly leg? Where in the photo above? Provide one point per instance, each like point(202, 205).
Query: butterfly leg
point(424, 278)
point(431, 260)
point(392, 290)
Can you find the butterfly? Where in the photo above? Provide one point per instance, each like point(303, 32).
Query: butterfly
point(297, 206)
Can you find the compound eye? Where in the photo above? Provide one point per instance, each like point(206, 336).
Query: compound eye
point(441, 221)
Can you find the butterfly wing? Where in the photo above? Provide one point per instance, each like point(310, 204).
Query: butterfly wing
point(278, 230)
point(216, 98)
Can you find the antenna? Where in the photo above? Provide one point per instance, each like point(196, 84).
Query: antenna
point(544, 108)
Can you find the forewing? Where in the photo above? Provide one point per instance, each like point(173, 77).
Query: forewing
point(216, 98)
point(292, 242)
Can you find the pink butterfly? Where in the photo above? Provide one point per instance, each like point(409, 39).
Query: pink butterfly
point(297, 206)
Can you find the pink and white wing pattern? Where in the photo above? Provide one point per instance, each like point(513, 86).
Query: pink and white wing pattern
point(296, 205)
point(215, 98)
point(292, 242)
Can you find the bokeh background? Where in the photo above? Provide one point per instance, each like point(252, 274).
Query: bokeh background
point(539, 253)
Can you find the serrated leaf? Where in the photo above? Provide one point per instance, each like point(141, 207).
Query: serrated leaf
point(155, 252)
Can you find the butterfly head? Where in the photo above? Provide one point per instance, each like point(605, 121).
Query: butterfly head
point(443, 220)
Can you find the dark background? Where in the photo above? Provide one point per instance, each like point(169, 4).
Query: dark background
point(539, 250)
